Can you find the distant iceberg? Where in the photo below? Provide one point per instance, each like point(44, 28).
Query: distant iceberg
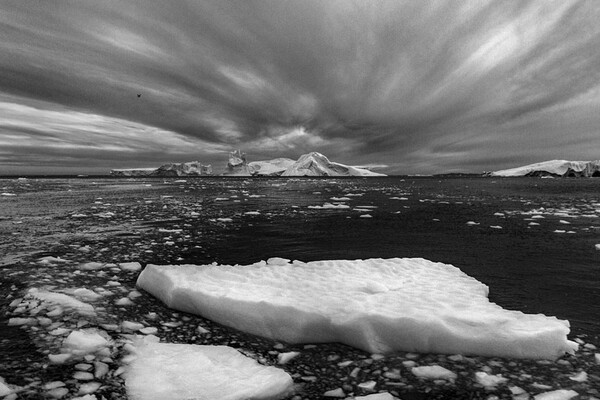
point(554, 168)
point(273, 167)
point(192, 168)
point(132, 171)
point(316, 164)
point(378, 305)
point(311, 164)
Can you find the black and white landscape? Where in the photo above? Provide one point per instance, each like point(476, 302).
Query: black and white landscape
point(293, 200)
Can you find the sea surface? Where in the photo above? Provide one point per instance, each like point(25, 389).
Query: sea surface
point(531, 240)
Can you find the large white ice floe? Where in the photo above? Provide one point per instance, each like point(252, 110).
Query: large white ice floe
point(186, 371)
point(378, 305)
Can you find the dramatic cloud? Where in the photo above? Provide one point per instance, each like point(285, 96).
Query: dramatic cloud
point(420, 86)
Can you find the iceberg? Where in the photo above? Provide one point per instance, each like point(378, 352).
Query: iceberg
point(237, 165)
point(554, 168)
point(132, 171)
point(192, 168)
point(273, 167)
point(316, 164)
point(186, 371)
point(377, 305)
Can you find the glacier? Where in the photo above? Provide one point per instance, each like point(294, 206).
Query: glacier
point(377, 305)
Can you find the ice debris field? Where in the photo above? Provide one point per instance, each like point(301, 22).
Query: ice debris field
point(380, 306)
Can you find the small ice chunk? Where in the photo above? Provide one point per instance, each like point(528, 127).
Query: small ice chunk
point(131, 326)
point(86, 294)
point(376, 396)
point(185, 371)
point(17, 321)
point(90, 266)
point(368, 385)
point(89, 387)
point(53, 385)
point(597, 246)
point(327, 206)
point(201, 330)
point(83, 342)
point(495, 227)
point(124, 301)
point(489, 381)
point(433, 372)
point(59, 358)
point(284, 358)
point(339, 393)
point(472, 223)
point(4, 389)
point(597, 357)
point(150, 330)
point(83, 376)
point(560, 394)
point(580, 377)
point(130, 266)
point(100, 369)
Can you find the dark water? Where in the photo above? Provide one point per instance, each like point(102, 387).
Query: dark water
point(530, 268)
point(551, 268)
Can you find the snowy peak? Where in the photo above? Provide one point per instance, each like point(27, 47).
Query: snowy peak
point(562, 168)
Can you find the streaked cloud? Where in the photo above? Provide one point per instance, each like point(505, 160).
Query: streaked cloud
point(419, 86)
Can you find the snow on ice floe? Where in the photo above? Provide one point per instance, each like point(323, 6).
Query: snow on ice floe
point(378, 305)
point(186, 371)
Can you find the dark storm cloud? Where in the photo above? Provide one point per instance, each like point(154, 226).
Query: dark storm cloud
point(421, 86)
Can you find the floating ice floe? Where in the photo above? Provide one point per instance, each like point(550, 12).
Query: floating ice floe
point(376, 305)
point(186, 371)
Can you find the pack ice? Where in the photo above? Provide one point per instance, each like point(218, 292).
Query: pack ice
point(378, 305)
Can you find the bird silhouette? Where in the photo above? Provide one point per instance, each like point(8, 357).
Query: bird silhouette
point(139, 95)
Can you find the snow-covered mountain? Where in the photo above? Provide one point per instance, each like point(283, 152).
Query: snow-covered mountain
point(554, 168)
point(316, 164)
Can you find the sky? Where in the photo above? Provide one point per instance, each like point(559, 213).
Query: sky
point(412, 87)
